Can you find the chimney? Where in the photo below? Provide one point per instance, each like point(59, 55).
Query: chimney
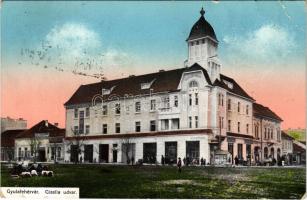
point(161, 70)
point(56, 124)
point(131, 76)
point(46, 123)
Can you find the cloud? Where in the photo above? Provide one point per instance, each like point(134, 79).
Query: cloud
point(268, 44)
point(74, 40)
point(76, 48)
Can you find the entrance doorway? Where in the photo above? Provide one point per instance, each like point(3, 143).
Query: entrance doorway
point(74, 153)
point(170, 152)
point(114, 153)
point(41, 154)
point(104, 153)
point(128, 153)
point(150, 153)
point(230, 150)
point(192, 151)
point(88, 153)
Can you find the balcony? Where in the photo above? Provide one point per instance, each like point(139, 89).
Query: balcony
point(168, 110)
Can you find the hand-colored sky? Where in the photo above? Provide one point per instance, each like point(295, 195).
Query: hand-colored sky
point(261, 45)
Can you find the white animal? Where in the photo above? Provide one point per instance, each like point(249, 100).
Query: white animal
point(47, 173)
point(25, 174)
point(33, 173)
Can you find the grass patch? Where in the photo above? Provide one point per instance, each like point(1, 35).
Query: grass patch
point(107, 181)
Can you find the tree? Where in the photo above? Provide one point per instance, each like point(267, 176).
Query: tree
point(77, 144)
point(9, 152)
point(127, 148)
point(34, 145)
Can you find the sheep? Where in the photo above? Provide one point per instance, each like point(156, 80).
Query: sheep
point(25, 174)
point(47, 173)
point(33, 172)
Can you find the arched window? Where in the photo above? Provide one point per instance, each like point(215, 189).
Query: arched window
point(193, 84)
point(265, 152)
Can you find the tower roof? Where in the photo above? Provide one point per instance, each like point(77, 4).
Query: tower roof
point(202, 28)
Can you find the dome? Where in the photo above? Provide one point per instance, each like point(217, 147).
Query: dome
point(202, 28)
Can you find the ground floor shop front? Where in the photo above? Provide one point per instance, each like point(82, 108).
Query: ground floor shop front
point(151, 150)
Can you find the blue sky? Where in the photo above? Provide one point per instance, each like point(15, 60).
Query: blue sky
point(262, 45)
point(153, 34)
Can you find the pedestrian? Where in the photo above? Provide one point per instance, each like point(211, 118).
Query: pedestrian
point(236, 160)
point(179, 165)
point(201, 161)
point(162, 160)
point(184, 161)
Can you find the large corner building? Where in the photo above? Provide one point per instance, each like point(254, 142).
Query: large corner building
point(192, 112)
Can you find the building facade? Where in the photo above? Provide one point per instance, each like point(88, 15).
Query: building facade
point(192, 113)
point(44, 142)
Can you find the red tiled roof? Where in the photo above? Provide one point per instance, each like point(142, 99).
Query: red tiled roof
point(286, 136)
point(144, 134)
point(262, 111)
point(8, 137)
point(42, 128)
point(236, 89)
point(163, 81)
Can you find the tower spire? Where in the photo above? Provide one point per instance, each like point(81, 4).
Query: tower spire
point(202, 11)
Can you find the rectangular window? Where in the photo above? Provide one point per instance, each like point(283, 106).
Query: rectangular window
point(271, 133)
point(229, 125)
point(117, 127)
point(138, 107)
point(247, 109)
point(265, 134)
point(190, 122)
point(175, 123)
point(219, 100)
point(164, 124)
point(166, 102)
point(196, 121)
point(75, 130)
point(247, 127)
point(104, 110)
point(238, 127)
point(196, 98)
point(229, 104)
point(153, 125)
point(87, 112)
point(81, 122)
point(190, 99)
point(105, 128)
point(137, 126)
point(87, 129)
point(117, 108)
point(222, 100)
point(76, 112)
point(238, 107)
point(153, 104)
point(175, 101)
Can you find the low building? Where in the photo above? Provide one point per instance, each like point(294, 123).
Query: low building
point(8, 123)
point(8, 144)
point(42, 142)
point(287, 147)
point(299, 153)
point(267, 134)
